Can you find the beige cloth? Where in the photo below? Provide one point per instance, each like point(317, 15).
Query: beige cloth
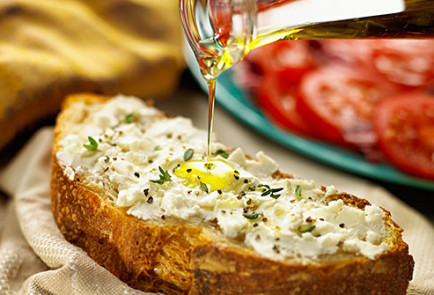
point(34, 256)
point(36, 259)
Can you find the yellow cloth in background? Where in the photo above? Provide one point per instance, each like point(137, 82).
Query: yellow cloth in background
point(52, 48)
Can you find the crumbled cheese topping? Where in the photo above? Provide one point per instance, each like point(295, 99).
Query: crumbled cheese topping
point(278, 218)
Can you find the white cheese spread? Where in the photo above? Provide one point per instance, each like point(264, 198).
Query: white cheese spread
point(139, 153)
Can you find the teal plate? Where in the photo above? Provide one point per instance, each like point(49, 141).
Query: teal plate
point(237, 102)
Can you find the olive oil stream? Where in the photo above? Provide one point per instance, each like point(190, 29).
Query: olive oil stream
point(217, 48)
point(211, 102)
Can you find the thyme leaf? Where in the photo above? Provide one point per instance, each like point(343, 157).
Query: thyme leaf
point(298, 191)
point(221, 153)
point(129, 118)
point(251, 216)
point(204, 187)
point(92, 146)
point(188, 154)
point(307, 229)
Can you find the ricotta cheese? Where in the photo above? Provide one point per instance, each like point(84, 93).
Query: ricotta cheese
point(139, 153)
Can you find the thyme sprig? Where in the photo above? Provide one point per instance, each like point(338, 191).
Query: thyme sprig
point(164, 176)
point(270, 191)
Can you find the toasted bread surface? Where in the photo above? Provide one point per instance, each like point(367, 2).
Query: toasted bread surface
point(184, 257)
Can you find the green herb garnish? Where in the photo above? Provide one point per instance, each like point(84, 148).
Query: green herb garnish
point(274, 190)
point(164, 176)
point(204, 187)
point(92, 146)
point(270, 191)
point(157, 148)
point(129, 118)
point(221, 153)
point(307, 229)
point(188, 154)
point(251, 216)
point(298, 191)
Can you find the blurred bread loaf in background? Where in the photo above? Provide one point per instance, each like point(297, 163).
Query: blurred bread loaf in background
point(52, 48)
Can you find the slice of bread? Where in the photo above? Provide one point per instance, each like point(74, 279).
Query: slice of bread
point(156, 231)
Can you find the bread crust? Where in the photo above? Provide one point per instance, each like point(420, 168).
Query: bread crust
point(181, 257)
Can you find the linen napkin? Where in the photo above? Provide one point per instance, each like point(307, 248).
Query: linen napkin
point(36, 259)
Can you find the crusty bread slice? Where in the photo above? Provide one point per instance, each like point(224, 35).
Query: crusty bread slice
point(179, 256)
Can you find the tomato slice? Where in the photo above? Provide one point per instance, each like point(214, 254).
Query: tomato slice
point(405, 128)
point(350, 52)
point(279, 104)
point(409, 63)
point(281, 66)
point(337, 102)
point(290, 59)
point(406, 62)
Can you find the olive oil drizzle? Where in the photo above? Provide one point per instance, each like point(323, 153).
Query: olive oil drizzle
point(211, 103)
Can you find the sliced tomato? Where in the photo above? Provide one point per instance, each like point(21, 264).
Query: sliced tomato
point(279, 104)
point(337, 102)
point(350, 52)
point(290, 59)
point(409, 63)
point(405, 128)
